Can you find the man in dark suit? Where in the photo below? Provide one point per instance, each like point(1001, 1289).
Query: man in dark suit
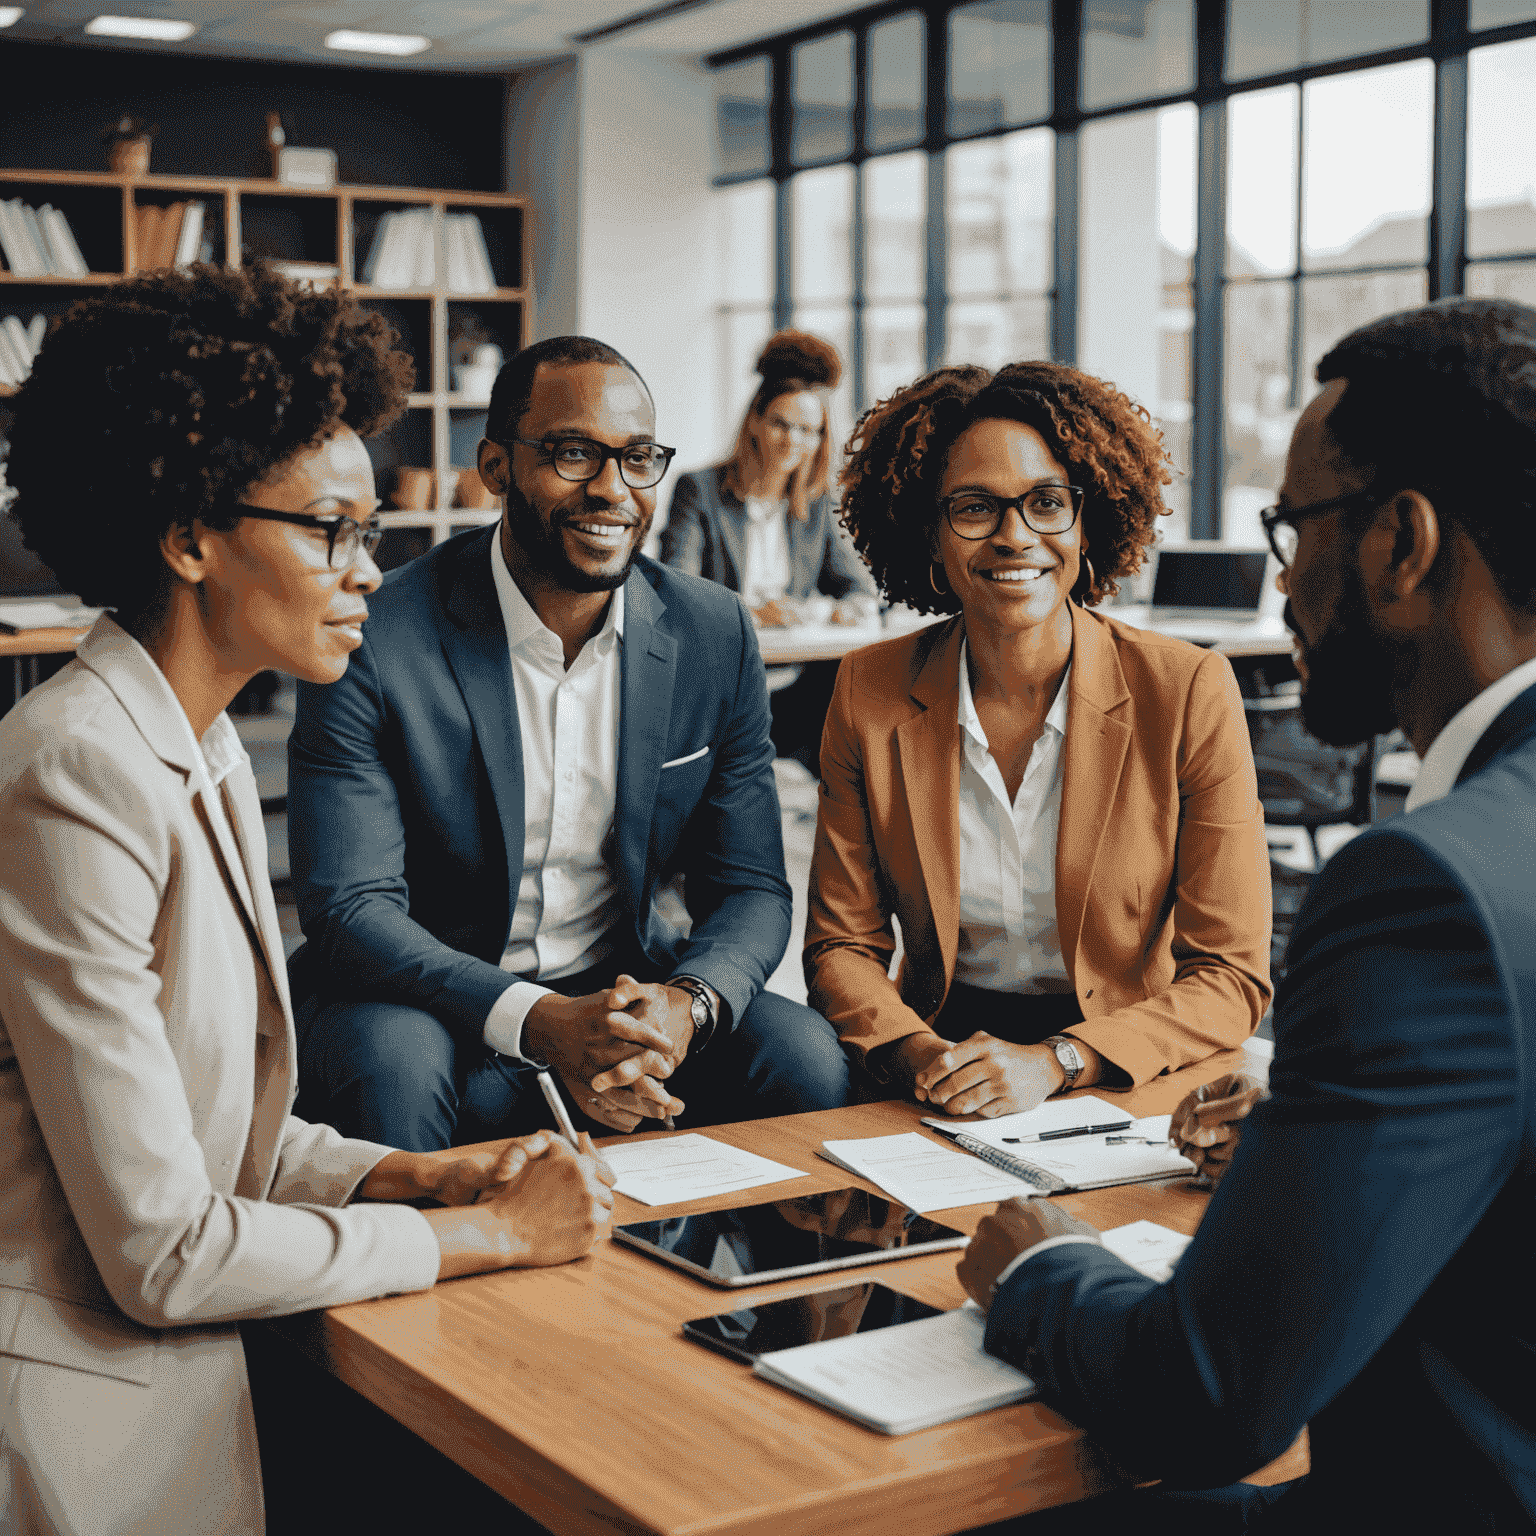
point(1364, 1267)
point(540, 728)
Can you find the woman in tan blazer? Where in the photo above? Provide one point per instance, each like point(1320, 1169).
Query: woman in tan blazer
point(187, 451)
point(1059, 809)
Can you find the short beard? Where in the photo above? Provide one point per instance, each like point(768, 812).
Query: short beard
point(545, 549)
point(1353, 673)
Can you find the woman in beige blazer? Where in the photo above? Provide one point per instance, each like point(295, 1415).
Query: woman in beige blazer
point(187, 452)
point(1059, 809)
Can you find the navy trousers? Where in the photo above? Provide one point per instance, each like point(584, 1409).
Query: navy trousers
point(394, 1074)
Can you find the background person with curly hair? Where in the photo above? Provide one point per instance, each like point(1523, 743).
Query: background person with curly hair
point(1060, 809)
point(187, 451)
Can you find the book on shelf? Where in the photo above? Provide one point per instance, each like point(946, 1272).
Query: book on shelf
point(469, 263)
point(312, 274)
point(403, 253)
point(38, 242)
point(171, 236)
point(18, 347)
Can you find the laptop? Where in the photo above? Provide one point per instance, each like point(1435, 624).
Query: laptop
point(1209, 584)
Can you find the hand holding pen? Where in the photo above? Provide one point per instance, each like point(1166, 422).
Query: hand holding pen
point(1205, 1127)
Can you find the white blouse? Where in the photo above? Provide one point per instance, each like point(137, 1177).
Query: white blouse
point(767, 574)
point(1008, 938)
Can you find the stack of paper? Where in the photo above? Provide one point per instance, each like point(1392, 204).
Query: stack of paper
point(20, 615)
point(903, 1378)
point(921, 1174)
point(38, 242)
point(1146, 1246)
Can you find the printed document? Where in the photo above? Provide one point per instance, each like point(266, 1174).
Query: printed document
point(1146, 1246)
point(903, 1378)
point(921, 1174)
point(690, 1167)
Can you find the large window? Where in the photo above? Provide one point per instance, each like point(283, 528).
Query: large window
point(1192, 198)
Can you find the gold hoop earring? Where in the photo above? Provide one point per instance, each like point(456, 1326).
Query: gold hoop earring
point(1080, 588)
point(940, 591)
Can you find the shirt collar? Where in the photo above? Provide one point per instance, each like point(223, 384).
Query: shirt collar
point(1453, 746)
point(970, 721)
point(523, 623)
point(763, 509)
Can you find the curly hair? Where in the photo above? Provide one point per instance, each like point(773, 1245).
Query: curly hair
point(159, 399)
point(897, 453)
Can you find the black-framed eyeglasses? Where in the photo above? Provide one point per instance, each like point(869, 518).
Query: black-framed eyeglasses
point(641, 465)
point(1281, 522)
point(1045, 508)
point(346, 538)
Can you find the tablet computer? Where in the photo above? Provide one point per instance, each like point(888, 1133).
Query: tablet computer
point(782, 1239)
point(834, 1314)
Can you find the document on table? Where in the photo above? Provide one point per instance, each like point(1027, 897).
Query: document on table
point(17, 618)
point(922, 1175)
point(690, 1167)
point(1053, 1115)
point(903, 1378)
point(1146, 1246)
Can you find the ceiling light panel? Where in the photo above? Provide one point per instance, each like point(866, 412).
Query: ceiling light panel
point(154, 29)
point(396, 43)
point(10, 15)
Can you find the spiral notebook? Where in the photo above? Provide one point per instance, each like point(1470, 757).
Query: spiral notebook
point(1084, 1162)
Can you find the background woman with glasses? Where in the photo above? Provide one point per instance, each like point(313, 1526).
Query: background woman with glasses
point(1061, 810)
point(764, 525)
point(188, 453)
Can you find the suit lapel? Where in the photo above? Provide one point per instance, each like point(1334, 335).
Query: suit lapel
point(244, 806)
point(733, 540)
point(1093, 757)
point(929, 748)
point(804, 555)
point(648, 669)
point(475, 645)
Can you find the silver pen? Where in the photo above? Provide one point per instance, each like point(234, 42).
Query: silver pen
point(557, 1108)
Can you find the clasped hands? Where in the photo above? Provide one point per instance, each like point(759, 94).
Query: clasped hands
point(614, 1049)
point(984, 1075)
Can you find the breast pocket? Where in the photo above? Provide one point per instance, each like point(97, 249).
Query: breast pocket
point(684, 761)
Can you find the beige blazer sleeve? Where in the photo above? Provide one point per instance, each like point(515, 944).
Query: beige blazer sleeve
point(132, 1102)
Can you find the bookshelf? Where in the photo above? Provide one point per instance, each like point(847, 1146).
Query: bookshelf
point(440, 428)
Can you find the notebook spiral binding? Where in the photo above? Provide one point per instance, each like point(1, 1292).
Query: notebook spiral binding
point(1012, 1164)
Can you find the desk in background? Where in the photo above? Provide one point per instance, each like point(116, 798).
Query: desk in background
point(25, 648)
point(801, 643)
point(572, 1393)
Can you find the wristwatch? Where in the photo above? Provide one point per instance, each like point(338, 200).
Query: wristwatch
point(1069, 1056)
point(701, 1010)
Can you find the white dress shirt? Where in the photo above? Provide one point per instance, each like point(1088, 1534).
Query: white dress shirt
point(1453, 746)
point(1436, 779)
point(767, 574)
point(1008, 938)
point(569, 722)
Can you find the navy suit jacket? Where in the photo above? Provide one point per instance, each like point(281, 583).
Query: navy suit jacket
point(405, 793)
point(1365, 1265)
point(706, 535)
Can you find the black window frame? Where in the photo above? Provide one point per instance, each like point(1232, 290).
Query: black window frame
point(1447, 46)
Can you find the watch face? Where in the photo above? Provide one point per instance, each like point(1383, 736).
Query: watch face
point(699, 1012)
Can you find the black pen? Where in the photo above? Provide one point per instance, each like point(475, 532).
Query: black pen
point(1076, 1130)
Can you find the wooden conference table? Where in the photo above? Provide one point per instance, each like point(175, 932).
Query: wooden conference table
point(571, 1392)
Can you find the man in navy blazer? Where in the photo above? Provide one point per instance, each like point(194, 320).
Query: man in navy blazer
point(540, 729)
point(1364, 1267)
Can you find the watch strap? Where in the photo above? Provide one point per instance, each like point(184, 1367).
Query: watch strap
point(1072, 1068)
point(700, 992)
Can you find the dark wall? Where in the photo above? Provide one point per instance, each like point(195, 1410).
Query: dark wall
point(388, 127)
